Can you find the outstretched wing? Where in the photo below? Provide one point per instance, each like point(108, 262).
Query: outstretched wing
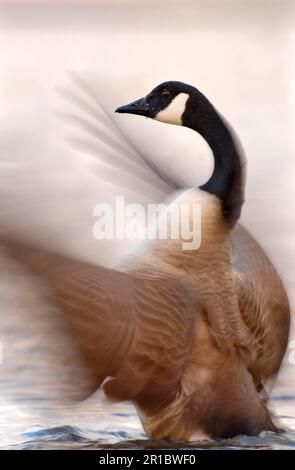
point(134, 330)
point(105, 140)
point(51, 183)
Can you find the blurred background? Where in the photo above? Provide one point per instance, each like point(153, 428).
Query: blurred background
point(239, 53)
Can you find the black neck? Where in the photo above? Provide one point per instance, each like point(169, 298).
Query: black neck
point(226, 181)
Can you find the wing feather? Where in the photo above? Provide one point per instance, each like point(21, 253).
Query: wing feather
point(134, 330)
point(103, 125)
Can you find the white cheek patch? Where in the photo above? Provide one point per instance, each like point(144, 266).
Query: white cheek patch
point(174, 111)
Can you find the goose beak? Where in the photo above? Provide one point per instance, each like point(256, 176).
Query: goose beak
point(139, 107)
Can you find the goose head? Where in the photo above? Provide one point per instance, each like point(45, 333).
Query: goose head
point(178, 103)
point(166, 103)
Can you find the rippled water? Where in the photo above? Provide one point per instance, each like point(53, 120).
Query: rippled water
point(99, 425)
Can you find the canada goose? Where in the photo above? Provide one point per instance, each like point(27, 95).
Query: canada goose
point(156, 326)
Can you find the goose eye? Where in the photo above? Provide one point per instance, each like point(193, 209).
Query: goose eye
point(165, 93)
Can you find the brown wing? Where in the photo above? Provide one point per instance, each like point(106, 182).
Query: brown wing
point(263, 300)
point(132, 329)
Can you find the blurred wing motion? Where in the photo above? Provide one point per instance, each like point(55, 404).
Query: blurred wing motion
point(107, 315)
point(128, 166)
point(47, 192)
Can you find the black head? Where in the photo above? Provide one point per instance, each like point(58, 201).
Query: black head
point(167, 103)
